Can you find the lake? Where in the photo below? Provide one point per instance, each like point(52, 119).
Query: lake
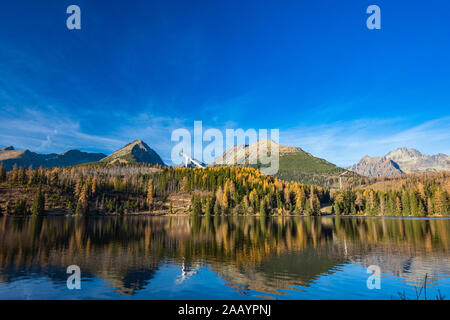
point(143, 257)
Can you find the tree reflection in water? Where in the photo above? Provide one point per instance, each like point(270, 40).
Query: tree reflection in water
point(266, 254)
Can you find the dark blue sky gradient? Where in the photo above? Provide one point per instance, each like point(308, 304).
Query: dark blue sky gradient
point(137, 69)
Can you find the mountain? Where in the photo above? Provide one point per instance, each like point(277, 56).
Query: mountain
point(402, 160)
point(136, 151)
point(295, 164)
point(25, 158)
point(411, 160)
point(376, 167)
point(245, 153)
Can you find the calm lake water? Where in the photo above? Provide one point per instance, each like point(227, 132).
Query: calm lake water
point(223, 257)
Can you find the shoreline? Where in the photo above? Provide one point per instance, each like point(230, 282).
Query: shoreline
point(227, 215)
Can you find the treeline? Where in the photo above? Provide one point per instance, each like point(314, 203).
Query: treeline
point(97, 189)
point(418, 195)
point(396, 182)
point(325, 180)
point(238, 190)
point(100, 189)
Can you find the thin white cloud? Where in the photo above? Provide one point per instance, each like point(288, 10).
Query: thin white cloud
point(45, 130)
point(48, 131)
point(345, 143)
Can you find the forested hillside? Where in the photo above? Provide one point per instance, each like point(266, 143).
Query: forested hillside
point(126, 189)
point(294, 163)
point(103, 189)
point(425, 194)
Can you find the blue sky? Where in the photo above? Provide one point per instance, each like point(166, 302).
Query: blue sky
point(140, 69)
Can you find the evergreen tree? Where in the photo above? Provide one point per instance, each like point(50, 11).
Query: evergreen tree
point(196, 206)
point(315, 204)
point(359, 202)
point(38, 205)
point(20, 207)
point(150, 195)
point(413, 204)
point(217, 209)
point(441, 202)
point(263, 208)
point(337, 208)
point(406, 205)
point(308, 210)
point(209, 207)
point(2, 172)
point(69, 205)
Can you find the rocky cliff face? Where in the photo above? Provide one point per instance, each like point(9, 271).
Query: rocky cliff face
point(411, 160)
point(402, 160)
point(376, 167)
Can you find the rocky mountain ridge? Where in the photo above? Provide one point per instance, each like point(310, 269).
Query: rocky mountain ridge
point(402, 160)
point(25, 158)
point(136, 151)
point(248, 154)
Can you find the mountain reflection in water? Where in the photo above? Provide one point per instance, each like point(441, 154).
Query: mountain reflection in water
point(275, 257)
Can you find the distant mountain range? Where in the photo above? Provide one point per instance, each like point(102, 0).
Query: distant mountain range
point(136, 151)
point(402, 160)
point(25, 158)
point(295, 163)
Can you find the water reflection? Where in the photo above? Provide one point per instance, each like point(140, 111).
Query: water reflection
point(267, 255)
